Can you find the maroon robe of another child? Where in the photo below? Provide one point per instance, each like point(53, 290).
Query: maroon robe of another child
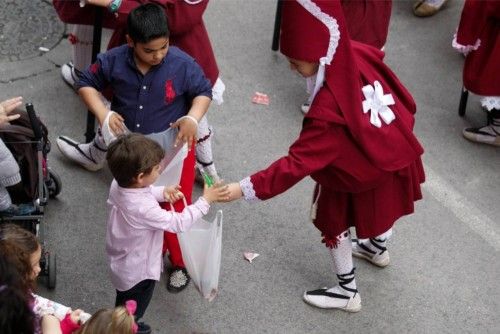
point(480, 24)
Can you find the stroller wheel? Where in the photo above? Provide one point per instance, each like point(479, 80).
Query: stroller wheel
point(52, 269)
point(53, 184)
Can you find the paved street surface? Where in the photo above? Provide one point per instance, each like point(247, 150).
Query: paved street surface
point(444, 274)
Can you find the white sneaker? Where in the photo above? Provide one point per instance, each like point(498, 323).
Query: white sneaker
point(89, 156)
point(333, 298)
point(70, 74)
point(380, 258)
point(305, 107)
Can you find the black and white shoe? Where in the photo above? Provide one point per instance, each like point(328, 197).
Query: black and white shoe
point(489, 134)
point(339, 297)
point(373, 252)
point(305, 107)
point(90, 156)
point(70, 74)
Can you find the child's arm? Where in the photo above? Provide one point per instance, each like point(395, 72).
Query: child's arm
point(199, 88)
point(50, 325)
point(43, 306)
point(91, 97)
point(188, 125)
point(92, 81)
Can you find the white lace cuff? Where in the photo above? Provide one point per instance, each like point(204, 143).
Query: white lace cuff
point(465, 49)
point(247, 189)
point(490, 102)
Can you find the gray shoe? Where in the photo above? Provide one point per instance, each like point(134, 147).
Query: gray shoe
point(90, 156)
point(489, 134)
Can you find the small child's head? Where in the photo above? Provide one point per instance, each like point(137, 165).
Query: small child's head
point(134, 160)
point(119, 320)
point(148, 33)
point(16, 314)
point(27, 247)
point(304, 68)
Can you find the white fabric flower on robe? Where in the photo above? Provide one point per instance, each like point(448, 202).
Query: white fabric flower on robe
point(378, 103)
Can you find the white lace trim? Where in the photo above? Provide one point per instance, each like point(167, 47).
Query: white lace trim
point(333, 43)
point(490, 102)
point(329, 22)
point(248, 190)
point(465, 49)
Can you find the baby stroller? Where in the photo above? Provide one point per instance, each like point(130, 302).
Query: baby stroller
point(26, 138)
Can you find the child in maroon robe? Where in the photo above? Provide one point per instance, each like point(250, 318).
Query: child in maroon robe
point(478, 37)
point(356, 142)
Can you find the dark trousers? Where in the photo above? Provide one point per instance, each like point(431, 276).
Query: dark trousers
point(141, 293)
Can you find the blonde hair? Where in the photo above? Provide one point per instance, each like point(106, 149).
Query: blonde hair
point(109, 321)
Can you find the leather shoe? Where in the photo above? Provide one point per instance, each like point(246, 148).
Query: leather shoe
point(422, 9)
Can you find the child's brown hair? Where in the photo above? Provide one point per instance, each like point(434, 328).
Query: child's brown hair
point(19, 244)
point(132, 154)
point(116, 321)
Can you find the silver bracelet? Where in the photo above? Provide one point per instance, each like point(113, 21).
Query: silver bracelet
point(191, 118)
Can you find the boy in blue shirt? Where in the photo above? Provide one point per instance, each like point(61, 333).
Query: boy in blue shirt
point(154, 87)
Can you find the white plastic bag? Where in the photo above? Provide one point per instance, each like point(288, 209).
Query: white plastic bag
point(171, 164)
point(201, 251)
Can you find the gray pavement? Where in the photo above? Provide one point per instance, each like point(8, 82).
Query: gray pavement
point(444, 275)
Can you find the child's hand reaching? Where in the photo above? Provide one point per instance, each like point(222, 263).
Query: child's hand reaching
point(234, 192)
point(219, 192)
point(172, 194)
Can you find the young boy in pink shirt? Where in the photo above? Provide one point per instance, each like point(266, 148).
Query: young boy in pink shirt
point(136, 222)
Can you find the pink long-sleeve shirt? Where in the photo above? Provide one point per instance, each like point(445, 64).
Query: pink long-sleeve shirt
point(135, 228)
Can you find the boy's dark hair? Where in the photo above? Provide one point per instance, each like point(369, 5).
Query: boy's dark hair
point(147, 22)
point(132, 154)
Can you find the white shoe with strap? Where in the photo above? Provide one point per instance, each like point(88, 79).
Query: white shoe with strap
point(90, 156)
point(340, 297)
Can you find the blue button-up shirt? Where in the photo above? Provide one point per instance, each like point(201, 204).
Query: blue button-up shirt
point(148, 103)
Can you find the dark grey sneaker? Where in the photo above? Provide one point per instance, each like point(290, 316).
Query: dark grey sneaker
point(143, 328)
point(489, 134)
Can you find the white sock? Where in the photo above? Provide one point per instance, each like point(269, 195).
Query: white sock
point(375, 244)
point(96, 149)
point(82, 49)
point(343, 264)
point(204, 146)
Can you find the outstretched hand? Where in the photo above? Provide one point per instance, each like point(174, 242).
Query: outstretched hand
point(7, 106)
point(234, 192)
point(217, 193)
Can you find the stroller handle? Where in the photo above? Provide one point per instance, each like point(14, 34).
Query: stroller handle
point(35, 123)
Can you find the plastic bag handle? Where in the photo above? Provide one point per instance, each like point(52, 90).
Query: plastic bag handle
point(172, 206)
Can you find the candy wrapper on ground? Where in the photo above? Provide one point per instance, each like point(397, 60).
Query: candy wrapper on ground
point(260, 98)
point(249, 256)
